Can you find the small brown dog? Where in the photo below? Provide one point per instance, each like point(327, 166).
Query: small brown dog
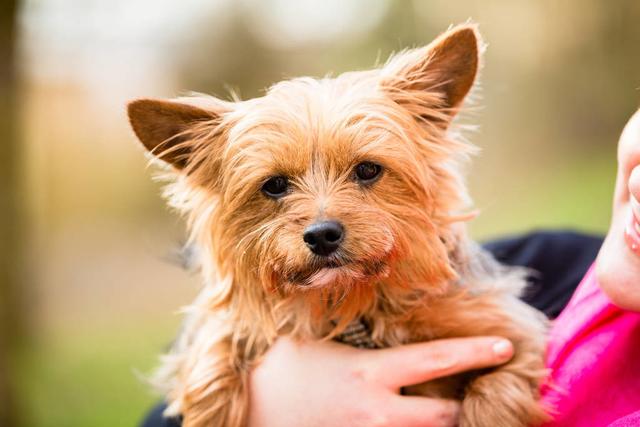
point(332, 201)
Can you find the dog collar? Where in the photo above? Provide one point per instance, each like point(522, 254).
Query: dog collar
point(357, 334)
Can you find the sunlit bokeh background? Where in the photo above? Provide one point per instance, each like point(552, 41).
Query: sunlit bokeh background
point(93, 291)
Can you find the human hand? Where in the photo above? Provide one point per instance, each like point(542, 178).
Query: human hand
point(325, 384)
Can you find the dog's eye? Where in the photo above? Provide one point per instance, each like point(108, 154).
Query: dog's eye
point(367, 172)
point(275, 187)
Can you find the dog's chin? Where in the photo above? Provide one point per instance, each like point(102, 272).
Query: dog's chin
point(334, 274)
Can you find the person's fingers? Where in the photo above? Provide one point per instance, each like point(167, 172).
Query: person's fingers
point(413, 411)
point(416, 363)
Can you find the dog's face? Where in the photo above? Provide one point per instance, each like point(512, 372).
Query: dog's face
point(324, 183)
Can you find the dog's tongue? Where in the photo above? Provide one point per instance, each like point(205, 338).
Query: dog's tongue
point(324, 277)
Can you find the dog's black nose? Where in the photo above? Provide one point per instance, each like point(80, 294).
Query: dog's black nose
point(323, 238)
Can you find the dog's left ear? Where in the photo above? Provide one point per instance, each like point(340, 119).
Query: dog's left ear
point(438, 76)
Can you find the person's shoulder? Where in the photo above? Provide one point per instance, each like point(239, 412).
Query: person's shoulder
point(545, 246)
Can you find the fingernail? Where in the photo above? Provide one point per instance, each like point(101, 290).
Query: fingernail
point(502, 349)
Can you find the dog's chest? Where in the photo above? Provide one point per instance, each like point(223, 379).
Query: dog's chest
point(360, 335)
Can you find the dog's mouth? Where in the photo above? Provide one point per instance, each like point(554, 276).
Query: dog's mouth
point(335, 271)
point(333, 263)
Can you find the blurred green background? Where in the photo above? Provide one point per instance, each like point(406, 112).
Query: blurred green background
point(90, 290)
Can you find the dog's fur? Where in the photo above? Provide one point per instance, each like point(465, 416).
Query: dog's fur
point(406, 267)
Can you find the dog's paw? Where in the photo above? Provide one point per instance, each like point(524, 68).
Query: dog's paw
point(501, 399)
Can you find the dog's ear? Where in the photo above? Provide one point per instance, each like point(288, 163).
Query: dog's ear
point(445, 69)
point(167, 128)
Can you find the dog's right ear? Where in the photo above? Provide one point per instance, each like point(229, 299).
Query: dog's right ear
point(169, 129)
point(438, 76)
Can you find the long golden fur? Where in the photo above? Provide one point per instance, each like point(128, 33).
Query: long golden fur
point(406, 267)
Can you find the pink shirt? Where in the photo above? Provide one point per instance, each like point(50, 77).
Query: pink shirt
point(594, 356)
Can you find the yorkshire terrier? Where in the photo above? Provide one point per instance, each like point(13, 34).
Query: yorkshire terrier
point(335, 202)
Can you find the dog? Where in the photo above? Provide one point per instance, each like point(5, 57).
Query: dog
point(332, 202)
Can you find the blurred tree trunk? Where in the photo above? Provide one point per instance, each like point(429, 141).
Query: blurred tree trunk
point(11, 248)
